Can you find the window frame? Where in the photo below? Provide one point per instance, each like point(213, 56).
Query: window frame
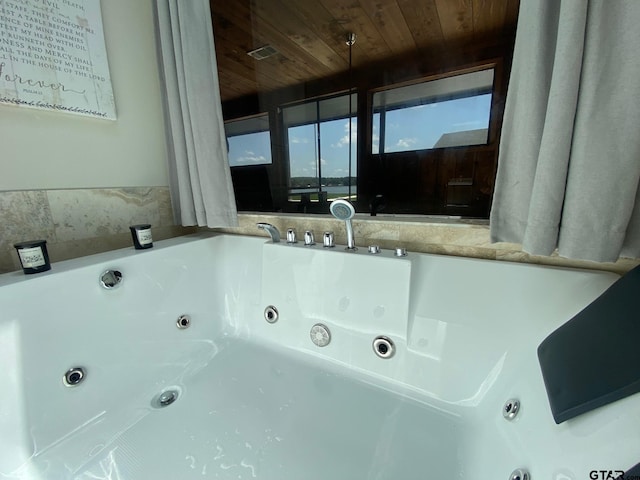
point(408, 170)
point(317, 123)
point(269, 130)
point(372, 110)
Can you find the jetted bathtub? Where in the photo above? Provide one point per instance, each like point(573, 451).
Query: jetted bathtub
point(204, 362)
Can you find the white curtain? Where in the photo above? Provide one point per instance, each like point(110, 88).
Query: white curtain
point(200, 179)
point(569, 163)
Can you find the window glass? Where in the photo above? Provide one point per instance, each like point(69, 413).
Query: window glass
point(318, 148)
point(249, 141)
point(447, 112)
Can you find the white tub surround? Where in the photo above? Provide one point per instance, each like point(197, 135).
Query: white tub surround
point(258, 399)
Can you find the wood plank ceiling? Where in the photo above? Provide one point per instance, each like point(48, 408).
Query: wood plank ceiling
point(310, 35)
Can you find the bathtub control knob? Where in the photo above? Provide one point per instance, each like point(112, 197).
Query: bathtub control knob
point(291, 236)
point(308, 238)
point(401, 252)
point(374, 249)
point(328, 240)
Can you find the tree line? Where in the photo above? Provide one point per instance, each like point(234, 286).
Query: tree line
point(309, 182)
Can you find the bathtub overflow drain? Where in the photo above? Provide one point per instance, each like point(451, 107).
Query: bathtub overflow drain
point(183, 321)
point(520, 474)
point(511, 408)
point(165, 398)
point(73, 377)
point(111, 279)
point(383, 347)
point(271, 314)
point(320, 335)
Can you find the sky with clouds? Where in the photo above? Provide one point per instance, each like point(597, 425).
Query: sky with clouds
point(413, 128)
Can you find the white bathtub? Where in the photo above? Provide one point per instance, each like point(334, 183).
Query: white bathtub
point(260, 400)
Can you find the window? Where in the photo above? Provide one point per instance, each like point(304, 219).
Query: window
point(249, 141)
point(317, 139)
point(448, 112)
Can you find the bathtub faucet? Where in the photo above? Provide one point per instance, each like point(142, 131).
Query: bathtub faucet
point(271, 230)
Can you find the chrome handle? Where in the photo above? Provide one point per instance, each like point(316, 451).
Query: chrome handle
point(291, 236)
point(328, 240)
point(308, 238)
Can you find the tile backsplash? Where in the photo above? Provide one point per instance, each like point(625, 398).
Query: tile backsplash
point(80, 222)
point(443, 236)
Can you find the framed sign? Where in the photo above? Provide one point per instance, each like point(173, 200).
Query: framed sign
point(53, 57)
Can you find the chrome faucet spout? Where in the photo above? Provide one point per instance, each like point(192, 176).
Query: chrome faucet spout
point(271, 230)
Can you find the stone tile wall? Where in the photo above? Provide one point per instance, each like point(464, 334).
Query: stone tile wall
point(81, 222)
point(466, 238)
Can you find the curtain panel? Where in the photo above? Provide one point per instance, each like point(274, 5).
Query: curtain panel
point(199, 175)
point(569, 163)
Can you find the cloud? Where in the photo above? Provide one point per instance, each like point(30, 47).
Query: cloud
point(344, 140)
point(299, 140)
point(474, 123)
point(406, 142)
point(251, 157)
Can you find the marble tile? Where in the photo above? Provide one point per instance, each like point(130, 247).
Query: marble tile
point(90, 246)
point(375, 232)
point(162, 233)
point(92, 213)
point(466, 238)
point(82, 222)
point(620, 267)
point(462, 235)
point(25, 215)
point(9, 261)
point(165, 210)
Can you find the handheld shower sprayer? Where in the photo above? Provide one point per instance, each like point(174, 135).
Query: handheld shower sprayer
point(343, 210)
